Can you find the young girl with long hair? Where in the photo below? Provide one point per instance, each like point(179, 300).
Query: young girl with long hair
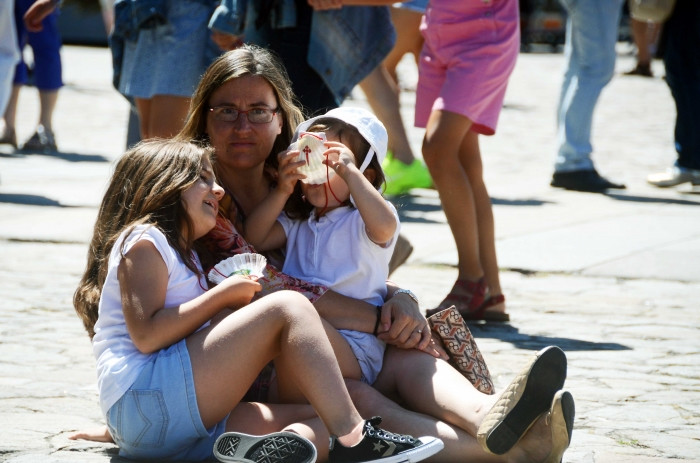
point(173, 358)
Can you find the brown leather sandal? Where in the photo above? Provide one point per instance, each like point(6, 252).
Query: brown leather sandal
point(468, 300)
point(474, 303)
point(493, 315)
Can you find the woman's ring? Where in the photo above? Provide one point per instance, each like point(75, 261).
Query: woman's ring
point(419, 331)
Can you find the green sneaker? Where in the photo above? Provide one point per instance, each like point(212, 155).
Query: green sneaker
point(401, 177)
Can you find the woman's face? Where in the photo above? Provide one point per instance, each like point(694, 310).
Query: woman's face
point(242, 144)
point(201, 200)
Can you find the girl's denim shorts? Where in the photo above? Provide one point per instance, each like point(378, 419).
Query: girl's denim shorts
point(158, 416)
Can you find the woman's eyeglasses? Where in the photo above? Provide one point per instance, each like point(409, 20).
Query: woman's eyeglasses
point(254, 115)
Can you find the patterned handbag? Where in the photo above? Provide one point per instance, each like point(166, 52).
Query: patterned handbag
point(461, 347)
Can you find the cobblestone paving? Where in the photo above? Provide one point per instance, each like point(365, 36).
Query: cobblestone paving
point(612, 279)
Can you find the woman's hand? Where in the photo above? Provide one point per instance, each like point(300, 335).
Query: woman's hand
point(226, 41)
point(403, 325)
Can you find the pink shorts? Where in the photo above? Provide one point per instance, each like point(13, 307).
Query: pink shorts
point(469, 53)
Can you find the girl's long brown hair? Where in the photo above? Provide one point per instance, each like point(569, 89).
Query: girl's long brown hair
point(145, 188)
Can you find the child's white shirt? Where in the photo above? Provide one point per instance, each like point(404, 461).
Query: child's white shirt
point(335, 251)
point(119, 362)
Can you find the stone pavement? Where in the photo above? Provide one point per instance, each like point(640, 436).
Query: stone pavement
point(612, 279)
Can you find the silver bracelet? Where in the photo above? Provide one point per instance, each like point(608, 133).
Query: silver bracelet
point(407, 292)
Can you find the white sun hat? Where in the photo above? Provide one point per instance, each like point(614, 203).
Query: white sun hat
point(365, 122)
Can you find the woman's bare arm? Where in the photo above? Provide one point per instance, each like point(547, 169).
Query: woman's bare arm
point(346, 313)
point(401, 324)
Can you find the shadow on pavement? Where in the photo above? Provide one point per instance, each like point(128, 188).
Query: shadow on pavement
point(426, 204)
point(30, 200)
point(69, 157)
point(511, 334)
point(519, 202)
point(409, 206)
point(647, 199)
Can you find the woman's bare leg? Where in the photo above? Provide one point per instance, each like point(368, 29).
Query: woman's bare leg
point(162, 116)
point(383, 97)
point(143, 108)
point(10, 116)
point(645, 35)
point(433, 387)
point(47, 105)
point(408, 39)
point(451, 151)
point(444, 136)
point(459, 445)
point(449, 408)
point(470, 158)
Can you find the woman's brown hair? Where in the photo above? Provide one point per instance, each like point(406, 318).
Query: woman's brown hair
point(246, 60)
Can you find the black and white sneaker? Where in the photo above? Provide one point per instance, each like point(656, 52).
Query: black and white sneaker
point(278, 447)
point(379, 445)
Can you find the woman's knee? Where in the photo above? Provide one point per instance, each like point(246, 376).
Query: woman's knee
point(429, 155)
point(441, 149)
point(438, 161)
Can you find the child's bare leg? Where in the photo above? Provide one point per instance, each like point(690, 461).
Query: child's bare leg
point(259, 419)
point(285, 327)
point(284, 390)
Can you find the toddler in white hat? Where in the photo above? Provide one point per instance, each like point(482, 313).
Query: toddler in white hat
point(328, 213)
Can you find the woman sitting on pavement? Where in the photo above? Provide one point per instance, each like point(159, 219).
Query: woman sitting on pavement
point(227, 112)
point(244, 108)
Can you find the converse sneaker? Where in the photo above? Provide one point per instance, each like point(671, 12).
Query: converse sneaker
point(378, 445)
point(278, 447)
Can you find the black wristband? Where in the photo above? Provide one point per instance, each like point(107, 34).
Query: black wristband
point(379, 319)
